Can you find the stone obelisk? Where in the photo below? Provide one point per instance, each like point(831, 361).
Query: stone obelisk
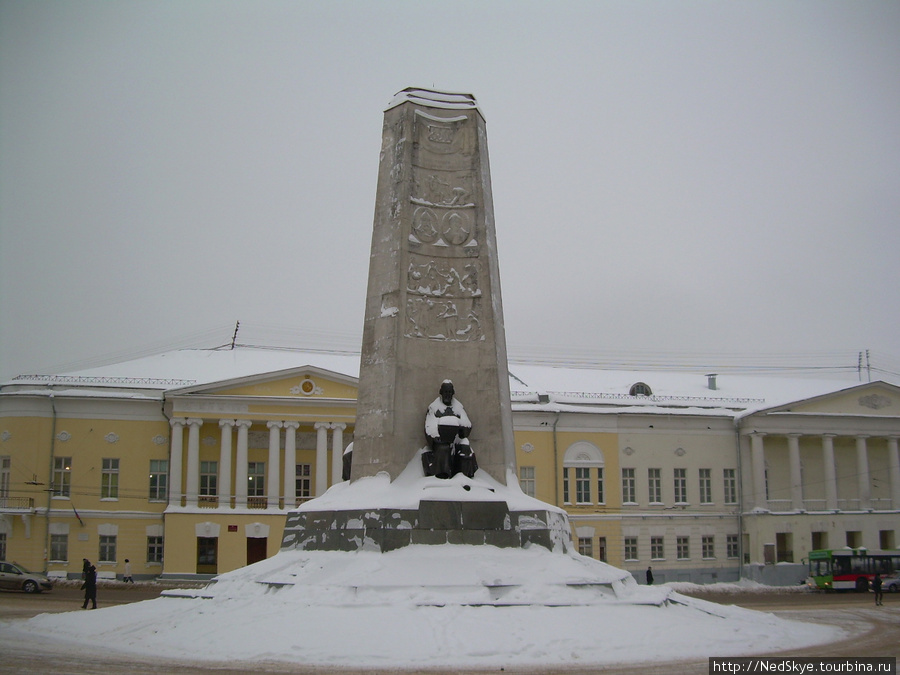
point(433, 313)
point(433, 307)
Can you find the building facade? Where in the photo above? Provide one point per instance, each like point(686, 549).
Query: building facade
point(186, 464)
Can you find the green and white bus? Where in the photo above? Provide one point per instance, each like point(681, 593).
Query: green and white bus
point(853, 569)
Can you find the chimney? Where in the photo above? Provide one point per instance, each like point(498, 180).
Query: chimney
point(711, 381)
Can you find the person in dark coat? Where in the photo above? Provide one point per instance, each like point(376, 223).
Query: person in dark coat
point(876, 586)
point(649, 576)
point(85, 566)
point(90, 588)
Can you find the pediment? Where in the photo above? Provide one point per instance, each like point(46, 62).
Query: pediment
point(308, 382)
point(870, 399)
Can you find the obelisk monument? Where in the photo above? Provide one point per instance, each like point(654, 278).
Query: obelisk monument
point(433, 306)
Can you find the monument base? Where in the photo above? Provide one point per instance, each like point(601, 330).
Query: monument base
point(434, 522)
point(375, 514)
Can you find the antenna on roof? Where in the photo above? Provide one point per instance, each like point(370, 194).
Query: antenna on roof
point(234, 337)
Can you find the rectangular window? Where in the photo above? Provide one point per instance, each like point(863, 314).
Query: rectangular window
point(107, 549)
point(730, 486)
point(657, 551)
point(886, 540)
point(109, 479)
point(708, 544)
point(209, 479)
point(854, 538)
point(159, 479)
point(2, 545)
point(706, 486)
point(819, 540)
point(62, 476)
point(682, 548)
point(681, 486)
point(731, 546)
point(654, 482)
point(631, 548)
point(526, 480)
point(256, 479)
point(628, 492)
point(303, 481)
point(601, 498)
point(583, 485)
point(59, 548)
point(155, 550)
point(566, 485)
point(207, 551)
point(601, 549)
point(586, 546)
point(4, 476)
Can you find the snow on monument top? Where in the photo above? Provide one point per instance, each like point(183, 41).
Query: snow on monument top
point(431, 98)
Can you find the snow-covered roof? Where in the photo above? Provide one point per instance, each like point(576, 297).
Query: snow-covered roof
point(187, 367)
point(531, 385)
point(687, 391)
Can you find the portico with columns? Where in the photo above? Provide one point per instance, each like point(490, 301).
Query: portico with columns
point(817, 474)
point(241, 455)
point(281, 462)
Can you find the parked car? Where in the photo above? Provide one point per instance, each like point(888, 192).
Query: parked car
point(15, 577)
point(890, 585)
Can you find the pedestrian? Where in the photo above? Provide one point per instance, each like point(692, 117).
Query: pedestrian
point(85, 566)
point(90, 588)
point(876, 586)
point(649, 576)
point(127, 578)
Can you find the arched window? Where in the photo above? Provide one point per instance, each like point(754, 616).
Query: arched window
point(640, 389)
point(583, 464)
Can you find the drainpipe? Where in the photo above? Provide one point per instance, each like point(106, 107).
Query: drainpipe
point(556, 461)
point(740, 496)
point(50, 491)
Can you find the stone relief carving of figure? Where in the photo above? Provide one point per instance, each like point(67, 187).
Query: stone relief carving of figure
point(447, 429)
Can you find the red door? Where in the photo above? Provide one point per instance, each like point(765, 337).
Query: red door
point(256, 549)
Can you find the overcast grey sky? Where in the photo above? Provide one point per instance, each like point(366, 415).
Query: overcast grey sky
point(670, 178)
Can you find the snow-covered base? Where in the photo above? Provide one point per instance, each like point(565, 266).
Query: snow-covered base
point(431, 575)
point(422, 606)
point(365, 610)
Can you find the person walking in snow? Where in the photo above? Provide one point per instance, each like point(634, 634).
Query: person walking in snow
point(876, 586)
point(90, 588)
point(649, 576)
point(127, 578)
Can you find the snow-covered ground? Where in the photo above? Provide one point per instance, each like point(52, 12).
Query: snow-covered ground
point(425, 606)
point(368, 609)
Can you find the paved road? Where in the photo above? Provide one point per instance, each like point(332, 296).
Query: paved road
point(875, 632)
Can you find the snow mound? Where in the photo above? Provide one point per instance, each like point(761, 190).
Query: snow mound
point(368, 610)
point(432, 575)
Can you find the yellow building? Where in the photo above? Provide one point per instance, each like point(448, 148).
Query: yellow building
point(186, 463)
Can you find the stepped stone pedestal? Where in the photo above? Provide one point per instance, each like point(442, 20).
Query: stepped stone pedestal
point(434, 522)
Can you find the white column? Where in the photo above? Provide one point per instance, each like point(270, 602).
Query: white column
point(225, 464)
point(290, 464)
point(830, 475)
point(175, 459)
point(192, 487)
point(796, 473)
point(321, 457)
point(337, 452)
point(240, 464)
point(272, 486)
point(894, 468)
point(758, 460)
point(862, 470)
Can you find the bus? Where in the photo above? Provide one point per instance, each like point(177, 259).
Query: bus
point(853, 569)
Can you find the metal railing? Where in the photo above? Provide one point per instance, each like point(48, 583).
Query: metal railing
point(16, 504)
